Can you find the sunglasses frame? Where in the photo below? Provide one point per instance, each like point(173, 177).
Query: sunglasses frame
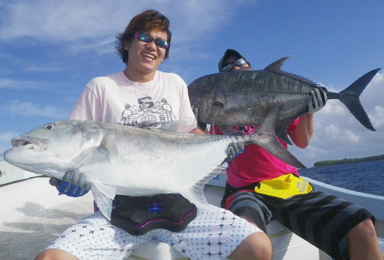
point(148, 39)
point(240, 62)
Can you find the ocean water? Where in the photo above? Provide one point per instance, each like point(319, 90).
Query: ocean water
point(365, 177)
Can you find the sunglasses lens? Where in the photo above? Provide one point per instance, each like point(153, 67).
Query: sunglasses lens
point(228, 67)
point(240, 62)
point(143, 37)
point(161, 43)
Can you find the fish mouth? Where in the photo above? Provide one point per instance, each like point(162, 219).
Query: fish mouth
point(30, 143)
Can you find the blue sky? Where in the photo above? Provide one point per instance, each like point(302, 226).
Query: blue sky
point(49, 50)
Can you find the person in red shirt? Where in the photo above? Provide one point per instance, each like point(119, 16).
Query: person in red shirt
point(339, 228)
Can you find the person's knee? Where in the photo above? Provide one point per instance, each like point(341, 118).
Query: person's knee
point(42, 256)
point(260, 246)
point(364, 230)
point(46, 255)
point(53, 254)
point(255, 246)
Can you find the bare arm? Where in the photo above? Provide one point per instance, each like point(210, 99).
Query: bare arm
point(197, 131)
point(303, 131)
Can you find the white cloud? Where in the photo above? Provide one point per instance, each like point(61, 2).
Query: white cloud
point(45, 68)
point(18, 108)
point(352, 137)
point(4, 137)
point(377, 116)
point(92, 25)
point(334, 108)
point(5, 141)
point(66, 21)
point(19, 84)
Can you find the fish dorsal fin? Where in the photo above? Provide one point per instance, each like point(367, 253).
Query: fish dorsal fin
point(275, 67)
point(177, 126)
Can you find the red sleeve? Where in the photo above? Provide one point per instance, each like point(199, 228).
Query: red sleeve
point(292, 126)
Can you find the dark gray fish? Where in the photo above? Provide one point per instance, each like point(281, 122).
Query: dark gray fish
point(243, 98)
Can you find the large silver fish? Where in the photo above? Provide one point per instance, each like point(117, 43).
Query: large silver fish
point(244, 98)
point(133, 161)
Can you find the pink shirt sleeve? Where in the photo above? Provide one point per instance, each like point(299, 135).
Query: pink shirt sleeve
point(294, 124)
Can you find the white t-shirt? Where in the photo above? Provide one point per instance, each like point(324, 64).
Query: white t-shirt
point(117, 100)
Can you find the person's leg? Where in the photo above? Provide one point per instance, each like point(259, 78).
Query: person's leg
point(216, 234)
point(55, 254)
point(93, 237)
point(363, 242)
point(328, 222)
point(256, 246)
point(248, 205)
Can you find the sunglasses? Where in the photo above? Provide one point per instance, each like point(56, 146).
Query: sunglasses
point(239, 63)
point(143, 37)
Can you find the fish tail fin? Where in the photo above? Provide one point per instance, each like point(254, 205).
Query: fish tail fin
point(104, 196)
point(265, 137)
point(350, 98)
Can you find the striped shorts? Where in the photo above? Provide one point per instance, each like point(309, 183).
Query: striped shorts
point(321, 219)
point(211, 235)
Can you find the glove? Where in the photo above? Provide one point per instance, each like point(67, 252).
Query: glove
point(73, 184)
point(201, 125)
point(317, 100)
point(233, 150)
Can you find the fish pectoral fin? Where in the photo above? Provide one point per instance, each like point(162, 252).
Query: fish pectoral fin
point(196, 195)
point(104, 196)
point(265, 138)
point(108, 147)
point(274, 147)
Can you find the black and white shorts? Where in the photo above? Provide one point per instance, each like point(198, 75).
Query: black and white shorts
point(321, 219)
point(211, 235)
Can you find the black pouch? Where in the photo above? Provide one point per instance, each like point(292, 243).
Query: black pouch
point(138, 215)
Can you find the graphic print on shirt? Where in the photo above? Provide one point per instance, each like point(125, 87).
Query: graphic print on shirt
point(147, 114)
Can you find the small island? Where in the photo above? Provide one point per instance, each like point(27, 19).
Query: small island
point(343, 161)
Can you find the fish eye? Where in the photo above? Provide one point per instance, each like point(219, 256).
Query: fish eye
point(49, 127)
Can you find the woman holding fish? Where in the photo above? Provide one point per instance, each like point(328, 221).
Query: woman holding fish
point(144, 97)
